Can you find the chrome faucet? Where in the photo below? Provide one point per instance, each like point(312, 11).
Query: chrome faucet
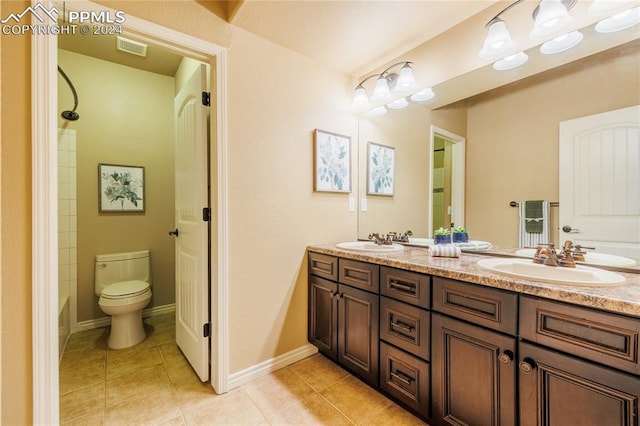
point(381, 240)
point(546, 254)
point(401, 238)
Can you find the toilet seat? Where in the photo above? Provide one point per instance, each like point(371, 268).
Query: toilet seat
point(125, 289)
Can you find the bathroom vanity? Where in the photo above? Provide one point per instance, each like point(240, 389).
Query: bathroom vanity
point(456, 344)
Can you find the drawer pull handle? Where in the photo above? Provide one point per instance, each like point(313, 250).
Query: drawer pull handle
point(402, 377)
point(527, 365)
point(407, 288)
point(401, 326)
point(506, 357)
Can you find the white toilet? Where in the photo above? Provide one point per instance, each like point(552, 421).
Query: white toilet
point(123, 283)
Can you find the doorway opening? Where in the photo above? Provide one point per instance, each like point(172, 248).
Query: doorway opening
point(45, 209)
point(446, 193)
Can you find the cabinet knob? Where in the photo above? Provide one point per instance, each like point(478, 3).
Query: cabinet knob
point(506, 357)
point(527, 365)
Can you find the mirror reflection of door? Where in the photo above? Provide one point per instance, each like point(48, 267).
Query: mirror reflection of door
point(442, 152)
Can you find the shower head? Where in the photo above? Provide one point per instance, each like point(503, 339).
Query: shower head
point(70, 115)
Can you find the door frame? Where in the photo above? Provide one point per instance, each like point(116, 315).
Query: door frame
point(457, 175)
point(44, 110)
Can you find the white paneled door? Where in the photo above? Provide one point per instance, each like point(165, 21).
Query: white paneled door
point(191, 196)
point(600, 181)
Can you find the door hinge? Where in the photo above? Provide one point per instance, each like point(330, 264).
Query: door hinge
point(206, 329)
point(206, 214)
point(206, 98)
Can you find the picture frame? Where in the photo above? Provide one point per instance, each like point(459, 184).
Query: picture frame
point(120, 188)
point(331, 162)
point(380, 169)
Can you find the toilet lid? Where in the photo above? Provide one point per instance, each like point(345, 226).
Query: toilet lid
point(125, 288)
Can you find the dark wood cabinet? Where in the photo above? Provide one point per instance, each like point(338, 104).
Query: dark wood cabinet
point(343, 321)
point(557, 389)
point(323, 316)
point(358, 332)
point(473, 374)
point(458, 353)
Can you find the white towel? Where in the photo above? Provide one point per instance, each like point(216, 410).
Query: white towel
point(530, 239)
point(444, 250)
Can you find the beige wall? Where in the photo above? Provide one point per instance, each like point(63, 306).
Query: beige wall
point(512, 139)
point(409, 132)
point(126, 118)
point(275, 100)
point(15, 225)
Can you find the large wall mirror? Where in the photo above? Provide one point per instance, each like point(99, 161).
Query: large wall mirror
point(511, 150)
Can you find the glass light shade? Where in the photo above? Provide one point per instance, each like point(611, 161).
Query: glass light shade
point(381, 91)
point(561, 43)
point(600, 7)
point(619, 21)
point(406, 82)
point(498, 41)
point(510, 62)
point(360, 99)
point(398, 103)
point(376, 112)
point(423, 95)
point(552, 19)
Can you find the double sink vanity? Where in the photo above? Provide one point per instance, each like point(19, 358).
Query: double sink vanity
point(458, 343)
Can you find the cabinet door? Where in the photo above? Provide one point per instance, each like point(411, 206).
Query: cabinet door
point(358, 333)
point(473, 374)
point(557, 389)
point(323, 316)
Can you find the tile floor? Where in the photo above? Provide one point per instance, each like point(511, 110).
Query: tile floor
point(152, 383)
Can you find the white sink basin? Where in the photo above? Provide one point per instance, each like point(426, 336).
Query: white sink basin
point(578, 276)
point(369, 246)
point(591, 258)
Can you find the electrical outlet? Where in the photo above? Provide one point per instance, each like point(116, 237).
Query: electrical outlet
point(363, 205)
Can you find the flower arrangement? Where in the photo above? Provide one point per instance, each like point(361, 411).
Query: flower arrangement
point(460, 235)
point(441, 231)
point(442, 236)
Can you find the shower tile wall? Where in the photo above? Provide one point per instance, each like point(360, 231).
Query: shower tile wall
point(67, 234)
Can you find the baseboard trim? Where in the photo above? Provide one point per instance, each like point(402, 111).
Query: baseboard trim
point(270, 365)
point(105, 321)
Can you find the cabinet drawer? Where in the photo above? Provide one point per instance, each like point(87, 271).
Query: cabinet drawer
point(323, 266)
point(406, 286)
point(606, 338)
point(405, 326)
point(406, 378)
point(359, 274)
point(488, 307)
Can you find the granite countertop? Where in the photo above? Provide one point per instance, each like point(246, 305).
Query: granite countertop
point(623, 299)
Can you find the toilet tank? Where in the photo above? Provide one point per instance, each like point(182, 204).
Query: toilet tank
point(117, 267)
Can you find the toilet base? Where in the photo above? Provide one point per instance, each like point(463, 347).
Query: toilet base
point(126, 330)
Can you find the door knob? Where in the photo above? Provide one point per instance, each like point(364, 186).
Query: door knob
point(570, 230)
point(174, 232)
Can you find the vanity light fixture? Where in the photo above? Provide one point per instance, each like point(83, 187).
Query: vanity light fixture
point(551, 17)
point(423, 95)
point(511, 62)
point(398, 103)
point(561, 43)
point(388, 83)
point(620, 21)
point(498, 40)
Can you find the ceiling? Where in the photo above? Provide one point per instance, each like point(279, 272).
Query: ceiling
point(349, 36)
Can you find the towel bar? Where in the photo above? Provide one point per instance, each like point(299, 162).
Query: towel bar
point(516, 204)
